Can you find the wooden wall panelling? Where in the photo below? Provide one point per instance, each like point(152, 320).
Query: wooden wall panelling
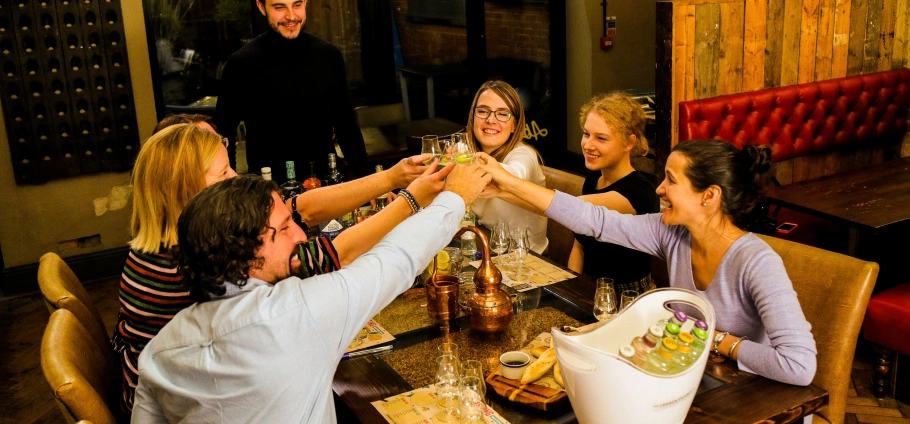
point(825, 45)
point(690, 53)
point(731, 48)
point(841, 37)
point(707, 49)
point(832, 162)
point(775, 43)
point(901, 49)
point(808, 41)
point(855, 49)
point(679, 58)
point(784, 171)
point(886, 39)
point(755, 40)
point(670, 40)
point(873, 33)
point(790, 59)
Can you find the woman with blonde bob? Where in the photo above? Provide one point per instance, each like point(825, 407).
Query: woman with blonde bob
point(496, 127)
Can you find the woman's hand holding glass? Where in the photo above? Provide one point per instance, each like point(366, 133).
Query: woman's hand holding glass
point(462, 150)
point(428, 185)
point(408, 169)
point(430, 146)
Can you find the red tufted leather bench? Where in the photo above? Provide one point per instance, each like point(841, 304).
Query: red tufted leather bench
point(887, 324)
point(805, 119)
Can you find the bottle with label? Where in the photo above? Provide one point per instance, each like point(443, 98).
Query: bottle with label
point(644, 345)
point(291, 187)
point(628, 353)
point(312, 182)
point(266, 173)
point(660, 361)
point(383, 200)
point(334, 176)
point(468, 242)
point(671, 330)
point(699, 341)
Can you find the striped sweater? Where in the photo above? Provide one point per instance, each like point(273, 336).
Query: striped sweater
point(152, 292)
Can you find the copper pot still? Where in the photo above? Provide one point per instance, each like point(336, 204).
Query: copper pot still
point(491, 308)
point(442, 295)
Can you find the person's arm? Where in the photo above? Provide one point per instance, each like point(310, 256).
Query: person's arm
point(230, 106)
point(357, 240)
point(341, 302)
point(791, 358)
point(344, 121)
point(146, 408)
point(577, 258)
point(324, 203)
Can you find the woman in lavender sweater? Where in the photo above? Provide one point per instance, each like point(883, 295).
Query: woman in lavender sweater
point(709, 190)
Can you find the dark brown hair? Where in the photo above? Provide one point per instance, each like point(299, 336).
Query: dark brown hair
point(220, 232)
point(737, 173)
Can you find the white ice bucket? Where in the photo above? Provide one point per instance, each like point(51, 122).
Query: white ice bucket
point(605, 388)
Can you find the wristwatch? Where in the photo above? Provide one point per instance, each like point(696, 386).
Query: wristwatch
point(717, 339)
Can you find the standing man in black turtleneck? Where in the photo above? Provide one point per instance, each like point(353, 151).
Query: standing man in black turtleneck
point(290, 90)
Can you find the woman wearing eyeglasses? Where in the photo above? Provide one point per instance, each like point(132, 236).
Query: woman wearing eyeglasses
point(496, 126)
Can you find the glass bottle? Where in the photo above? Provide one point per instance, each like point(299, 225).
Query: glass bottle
point(679, 318)
point(683, 355)
point(334, 176)
point(671, 330)
point(660, 361)
point(700, 340)
point(468, 243)
point(291, 187)
point(627, 352)
point(383, 200)
point(312, 182)
point(641, 351)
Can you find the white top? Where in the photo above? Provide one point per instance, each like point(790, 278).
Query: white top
point(521, 162)
point(267, 353)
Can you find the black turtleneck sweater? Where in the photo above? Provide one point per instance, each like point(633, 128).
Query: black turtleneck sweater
point(290, 94)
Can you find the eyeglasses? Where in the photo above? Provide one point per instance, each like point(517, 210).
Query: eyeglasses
point(484, 113)
point(225, 142)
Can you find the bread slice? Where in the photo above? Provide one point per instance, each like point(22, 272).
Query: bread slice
point(537, 351)
point(539, 367)
point(558, 375)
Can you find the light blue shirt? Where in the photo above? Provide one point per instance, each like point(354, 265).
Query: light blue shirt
point(267, 353)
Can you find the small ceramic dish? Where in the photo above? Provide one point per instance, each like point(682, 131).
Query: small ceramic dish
point(513, 364)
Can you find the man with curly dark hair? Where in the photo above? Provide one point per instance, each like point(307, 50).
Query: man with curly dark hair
point(262, 345)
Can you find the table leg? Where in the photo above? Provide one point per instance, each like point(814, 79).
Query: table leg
point(431, 100)
point(404, 95)
point(853, 238)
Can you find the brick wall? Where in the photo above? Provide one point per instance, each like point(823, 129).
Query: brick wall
point(517, 31)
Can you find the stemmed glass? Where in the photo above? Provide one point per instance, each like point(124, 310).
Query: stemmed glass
point(448, 388)
point(472, 399)
point(447, 149)
point(473, 369)
point(500, 240)
point(628, 296)
point(430, 146)
point(462, 150)
point(521, 245)
point(604, 300)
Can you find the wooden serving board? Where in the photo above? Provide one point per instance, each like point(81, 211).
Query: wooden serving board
point(533, 395)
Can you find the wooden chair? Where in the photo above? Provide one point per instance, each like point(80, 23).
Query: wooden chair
point(85, 378)
point(561, 238)
point(63, 290)
point(833, 291)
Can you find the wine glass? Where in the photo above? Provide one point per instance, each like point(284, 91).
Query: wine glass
point(430, 146)
point(473, 369)
point(462, 149)
point(499, 240)
point(447, 348)
point(446, 149)
point(472, 399)
point(521, 245)
point(448, 388)
point(627, 297)
point(455, 259)
point(605, 283)
point(604, 303)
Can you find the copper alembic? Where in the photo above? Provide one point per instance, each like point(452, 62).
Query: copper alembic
point(442, 295)
point(491, 307)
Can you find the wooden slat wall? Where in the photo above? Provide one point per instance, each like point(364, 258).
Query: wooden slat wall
point(719, 47)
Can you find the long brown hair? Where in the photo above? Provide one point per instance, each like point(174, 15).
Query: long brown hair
point(623, 115)
point(510, 96)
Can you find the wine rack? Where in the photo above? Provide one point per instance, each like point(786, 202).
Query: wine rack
point(65, 88)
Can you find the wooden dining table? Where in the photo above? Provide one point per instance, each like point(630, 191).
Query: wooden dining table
point(725, 394)
point(868, 201)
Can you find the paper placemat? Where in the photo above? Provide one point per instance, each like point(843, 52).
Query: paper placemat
point(419, 406)
point(371, 335)
point(544, 339)
point(540, 273)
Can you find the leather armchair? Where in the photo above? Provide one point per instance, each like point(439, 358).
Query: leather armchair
point(561, 238)
point(63, 290)
point(833, 290)
point(84, 378)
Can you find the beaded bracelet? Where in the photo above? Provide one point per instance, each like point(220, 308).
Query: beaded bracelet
point(415, 207)
point(717, 339)
point(294, 213)
point(733, 346)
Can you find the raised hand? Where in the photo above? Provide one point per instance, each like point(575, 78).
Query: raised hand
point(429, 184)
point(467, 181)
point(492, 167)
point(408, 169)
